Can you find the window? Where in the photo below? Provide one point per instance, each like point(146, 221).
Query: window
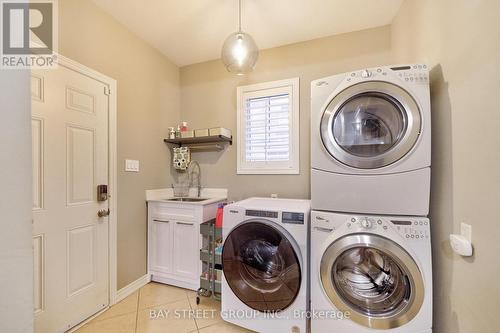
point(268, 128)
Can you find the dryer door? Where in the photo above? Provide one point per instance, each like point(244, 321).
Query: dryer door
point(261, 265)
point(370, 125)
point(374, 279)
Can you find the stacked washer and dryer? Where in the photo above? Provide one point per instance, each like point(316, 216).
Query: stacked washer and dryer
point(370, 187)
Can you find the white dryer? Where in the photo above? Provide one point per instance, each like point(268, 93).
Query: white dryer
point(265, 266)
point(371, 141)
point(375, 270)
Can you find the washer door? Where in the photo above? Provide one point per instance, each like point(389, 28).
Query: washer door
point(261, 266)
point(370, 125)
point(374, 279)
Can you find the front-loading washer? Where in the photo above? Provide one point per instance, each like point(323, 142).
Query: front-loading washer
point(371, 141)
point(265, 264)
point(370, 274)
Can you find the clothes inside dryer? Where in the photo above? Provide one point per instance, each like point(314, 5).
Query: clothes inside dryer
point(371, 281)
point(369, 124)
point(261, 266)
point(374, 279)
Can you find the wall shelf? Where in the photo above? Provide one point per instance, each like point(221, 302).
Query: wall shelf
point(205, 140)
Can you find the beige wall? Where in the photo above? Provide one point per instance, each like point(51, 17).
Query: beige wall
point(460, 39)
point(148, 101)
point(208, 99)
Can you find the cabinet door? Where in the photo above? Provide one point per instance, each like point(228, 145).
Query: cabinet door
point(186, 250)
point(161, 245)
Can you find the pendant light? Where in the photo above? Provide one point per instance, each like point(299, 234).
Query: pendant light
point(239, 52)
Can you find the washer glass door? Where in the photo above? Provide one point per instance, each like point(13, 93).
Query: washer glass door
point(374, 279)
point(261, 266)
point(370, 125)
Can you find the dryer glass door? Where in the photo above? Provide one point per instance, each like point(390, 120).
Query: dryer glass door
point(370, 125)
point(374, 279)
point(261, 266)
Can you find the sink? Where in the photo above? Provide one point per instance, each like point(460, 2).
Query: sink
point(186, 199)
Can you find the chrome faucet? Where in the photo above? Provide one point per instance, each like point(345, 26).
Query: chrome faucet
point(198, 178)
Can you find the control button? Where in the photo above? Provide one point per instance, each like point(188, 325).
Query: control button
point(426, 223)
point(412, 236)
point(348, 79)
point(425, 66)
point(417, 236)
point(415, 223)
point(421, 223)
point(353, 220)
point(366, 223)
point(353, 74)
point(366, 74)
point(384, 227)
point(407, 236)
point(348, 225)
point(379, 221)
point(379, 70)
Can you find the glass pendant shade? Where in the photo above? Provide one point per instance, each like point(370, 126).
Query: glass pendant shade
point(239, 53)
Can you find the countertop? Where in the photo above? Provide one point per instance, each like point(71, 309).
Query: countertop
point(212, 195)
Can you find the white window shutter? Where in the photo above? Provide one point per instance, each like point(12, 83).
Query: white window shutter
point(268, 128)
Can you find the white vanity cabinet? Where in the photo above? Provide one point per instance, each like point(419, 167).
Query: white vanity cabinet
point(174, 240)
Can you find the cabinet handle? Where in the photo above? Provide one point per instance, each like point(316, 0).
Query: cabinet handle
point(163, 221)
point(185, 223)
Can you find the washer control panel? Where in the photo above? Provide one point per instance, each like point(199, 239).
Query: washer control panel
point(413, 228)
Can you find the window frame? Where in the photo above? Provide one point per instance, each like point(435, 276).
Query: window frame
point(272, 88)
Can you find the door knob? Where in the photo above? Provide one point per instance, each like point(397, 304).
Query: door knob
point(103, 213)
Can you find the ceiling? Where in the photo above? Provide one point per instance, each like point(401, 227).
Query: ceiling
point(192, 31)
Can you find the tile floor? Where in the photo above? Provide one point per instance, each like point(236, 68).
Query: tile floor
point(156, 308)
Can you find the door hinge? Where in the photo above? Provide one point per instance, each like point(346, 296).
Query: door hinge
point(107, 91)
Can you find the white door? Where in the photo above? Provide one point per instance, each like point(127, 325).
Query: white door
point(70, 158)
point(186, 250)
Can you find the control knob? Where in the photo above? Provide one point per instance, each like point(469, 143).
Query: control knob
point(366, 74)
point(366, 223)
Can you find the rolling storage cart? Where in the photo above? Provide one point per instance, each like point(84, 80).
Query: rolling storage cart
point(211, 258)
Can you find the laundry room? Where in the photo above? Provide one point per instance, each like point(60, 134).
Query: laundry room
point(249, 166)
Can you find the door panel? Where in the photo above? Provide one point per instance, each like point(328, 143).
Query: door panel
point(162, 246)
point(81, 259)
point(39, 278)
point(70, 158)
point(186, 260)
point(80, 165)
point(37, 160)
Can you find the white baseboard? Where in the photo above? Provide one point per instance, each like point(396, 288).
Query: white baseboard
point(132, 287)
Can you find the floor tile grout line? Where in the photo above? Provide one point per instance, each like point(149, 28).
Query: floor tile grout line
point(137, 309)
point(194, 319)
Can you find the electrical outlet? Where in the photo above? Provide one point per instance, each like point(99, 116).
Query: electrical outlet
point(132, 165)
point(466, 231)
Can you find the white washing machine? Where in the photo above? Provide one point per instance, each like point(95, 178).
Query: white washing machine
point(377, 269)
point(371, 141)
point(265, 266)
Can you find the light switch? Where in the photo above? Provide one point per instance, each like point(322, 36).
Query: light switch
point(132, 165)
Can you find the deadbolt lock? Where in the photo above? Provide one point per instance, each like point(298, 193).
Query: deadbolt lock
point(103, 213)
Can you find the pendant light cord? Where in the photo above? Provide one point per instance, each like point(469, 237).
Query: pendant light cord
point(239, 16)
